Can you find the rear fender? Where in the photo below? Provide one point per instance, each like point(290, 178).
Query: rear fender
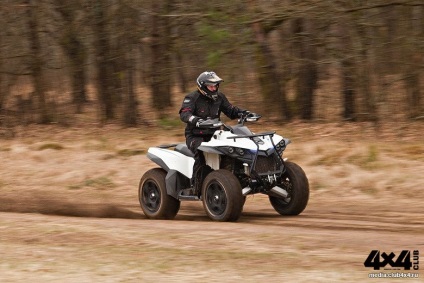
point(171, 160)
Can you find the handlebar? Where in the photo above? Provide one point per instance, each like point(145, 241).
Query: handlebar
point(211, 123)
point(248, 117)
point(216, 123)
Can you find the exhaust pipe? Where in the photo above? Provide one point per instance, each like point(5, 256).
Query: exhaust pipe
point(280, 191)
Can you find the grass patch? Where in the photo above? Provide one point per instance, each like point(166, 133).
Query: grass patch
point(407, 151)
point(368, 160)
point(369, 191)
point(372, 154)
point(75, 187)
point(54, 146)
point(100, 183)
point(108, 156)
point(101, 144)
point(130, 152)
point(318, 186)
point(331, 158)
point(168, 123)
point(414, 150)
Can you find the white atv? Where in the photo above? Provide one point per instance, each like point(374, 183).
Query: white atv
point(239, 163)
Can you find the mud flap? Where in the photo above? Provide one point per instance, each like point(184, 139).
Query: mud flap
point(175, 182)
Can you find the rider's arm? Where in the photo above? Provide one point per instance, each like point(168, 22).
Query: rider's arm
point(187, 109)
point(229, 110)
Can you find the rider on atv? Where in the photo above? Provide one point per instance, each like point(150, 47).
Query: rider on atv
point(207, 102)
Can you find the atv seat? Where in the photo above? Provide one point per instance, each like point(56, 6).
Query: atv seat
point(182, 148)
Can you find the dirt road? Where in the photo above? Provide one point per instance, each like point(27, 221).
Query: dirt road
point(70, 214)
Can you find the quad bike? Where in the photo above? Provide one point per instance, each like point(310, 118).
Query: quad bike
point(239, 163)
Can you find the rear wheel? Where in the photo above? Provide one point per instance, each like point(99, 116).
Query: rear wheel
point(222, 197)
point(296, 184)
point(154, 200)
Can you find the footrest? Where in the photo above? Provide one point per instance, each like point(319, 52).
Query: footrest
point(181, 197)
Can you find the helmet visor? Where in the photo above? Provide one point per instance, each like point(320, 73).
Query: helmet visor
point(211, 83)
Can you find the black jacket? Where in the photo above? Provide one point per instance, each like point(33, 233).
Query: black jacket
point(197, 105)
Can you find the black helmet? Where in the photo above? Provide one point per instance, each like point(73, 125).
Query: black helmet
point(208, 78)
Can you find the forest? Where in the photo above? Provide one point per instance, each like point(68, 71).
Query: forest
point(313, 60)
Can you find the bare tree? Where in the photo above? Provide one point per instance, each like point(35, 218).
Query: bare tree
point(75, 50)
point(14, 55)
point(3, 91)
point(280, 43)
point(348, 88)
point(413, 58)
point(266, 70)
point(160, 71)
point(37, 62)
point(307, 77)
point(105, 86)
point(346, 56)
point(129, 38)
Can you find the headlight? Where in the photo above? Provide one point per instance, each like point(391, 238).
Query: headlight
point(240, 151)
point(235, 152)
point(280, 146)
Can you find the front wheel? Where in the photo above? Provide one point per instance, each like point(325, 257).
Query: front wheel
point(222, 197)
point(296, 184)
point(154, 201)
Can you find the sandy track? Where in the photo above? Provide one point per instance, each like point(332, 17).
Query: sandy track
point(320, 245)
point(72, 215)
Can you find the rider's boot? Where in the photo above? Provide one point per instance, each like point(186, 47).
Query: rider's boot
point(194, 184)
point(191, 190)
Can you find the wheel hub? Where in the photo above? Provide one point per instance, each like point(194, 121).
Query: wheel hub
point(151, 196)
point(216, 199)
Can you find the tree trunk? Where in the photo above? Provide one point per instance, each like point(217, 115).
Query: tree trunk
point(413, 93)
point(37, 63)
point(79, 92)
point(348, 89)
point(105, 86)
point(348, 73)
point(160, 71)
point(75, 50)
point(389, 56)
point(125, 62)
point(269, 80)
point(413, 58)
point(130, 115)
point(368, 105)
point(181, 77)
point(76, 53)
point(3, 93)
point(307, 77)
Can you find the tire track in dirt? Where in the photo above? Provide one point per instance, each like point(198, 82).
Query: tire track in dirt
point(314, 219)
point(408, 222)
point(67, 208)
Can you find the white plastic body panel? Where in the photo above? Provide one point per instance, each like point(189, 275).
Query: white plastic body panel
point(174, 160)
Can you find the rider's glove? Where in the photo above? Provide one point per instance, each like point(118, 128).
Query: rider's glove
point(194, 120)
point(243, 112)
point(197, 121)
